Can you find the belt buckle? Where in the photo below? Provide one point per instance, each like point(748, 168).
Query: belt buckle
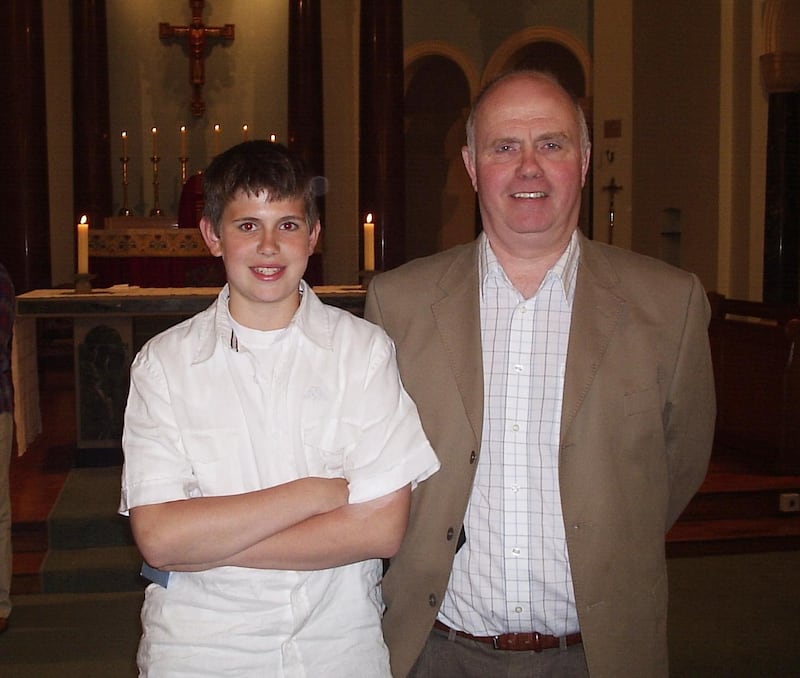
point(512, 641)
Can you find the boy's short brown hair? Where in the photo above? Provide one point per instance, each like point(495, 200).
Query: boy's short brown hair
point(258, 167)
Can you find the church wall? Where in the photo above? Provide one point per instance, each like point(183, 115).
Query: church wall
point(57, 54)
point(676, 133)
point(479, 28)
point(758, 109)
point(612, 102)
point(735, 143)
point(340, 55)
point(149, 86)
point(671, 114)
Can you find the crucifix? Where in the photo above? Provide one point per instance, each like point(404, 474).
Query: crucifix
point(198, 33)
point(612, 189)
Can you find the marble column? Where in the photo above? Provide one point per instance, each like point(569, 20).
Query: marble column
point(781, 75)
point(381, 147)
point(306, 135)
point(305, 122)
point(90, 123)
point(23, 140)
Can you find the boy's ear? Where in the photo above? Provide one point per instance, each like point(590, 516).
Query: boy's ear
point(213, 241)
point(313, 237)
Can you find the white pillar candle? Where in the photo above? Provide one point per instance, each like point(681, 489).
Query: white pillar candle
point(369, 244)
point(83, 246)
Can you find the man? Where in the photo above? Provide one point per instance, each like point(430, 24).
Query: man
point(567, 389)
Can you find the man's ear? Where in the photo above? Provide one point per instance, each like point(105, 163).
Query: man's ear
point(469, 163)
point(585, 162)
point(213, 241)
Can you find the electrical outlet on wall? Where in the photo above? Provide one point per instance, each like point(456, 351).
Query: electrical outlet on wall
point(789, 502)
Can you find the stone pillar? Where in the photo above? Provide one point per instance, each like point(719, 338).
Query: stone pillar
point(23, 142)
point(90, 122)
point(780, 72)
point(306, 134)
point(381, 148)
point(306, 130)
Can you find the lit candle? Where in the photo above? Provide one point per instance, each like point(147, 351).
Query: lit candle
point(245, 135)
point(183, 141)
point(217, 131)
point(83, 246)
point(154, 132)
point(369, 244)
point(124, 144)
point(273, 138)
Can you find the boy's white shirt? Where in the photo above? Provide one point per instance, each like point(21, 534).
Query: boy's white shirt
point(216, 411)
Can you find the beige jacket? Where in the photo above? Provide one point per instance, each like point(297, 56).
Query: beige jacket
point(636, 434)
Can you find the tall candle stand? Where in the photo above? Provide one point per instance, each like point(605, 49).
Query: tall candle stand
point(183, 160)
point(125, 211)
point(156, 211)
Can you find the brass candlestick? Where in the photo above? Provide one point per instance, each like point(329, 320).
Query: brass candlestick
point(83, 282)
point(156, 211)
point(125, 211)
point(183, 161)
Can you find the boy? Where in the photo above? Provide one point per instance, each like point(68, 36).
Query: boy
point(270, 453)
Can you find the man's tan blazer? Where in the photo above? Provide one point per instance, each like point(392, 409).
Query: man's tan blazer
point(636, 434)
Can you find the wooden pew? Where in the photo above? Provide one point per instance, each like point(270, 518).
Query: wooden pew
point(757, 375)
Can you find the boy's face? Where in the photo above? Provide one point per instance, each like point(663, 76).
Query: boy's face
point(265, 247)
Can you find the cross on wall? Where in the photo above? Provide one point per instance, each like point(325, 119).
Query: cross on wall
point(198, 34)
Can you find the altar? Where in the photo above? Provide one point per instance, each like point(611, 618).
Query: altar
point(109, 326)
point(155, 252)
point(151, 252)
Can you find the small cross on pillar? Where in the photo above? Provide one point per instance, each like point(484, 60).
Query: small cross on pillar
point(198, 33)
point(612, 187)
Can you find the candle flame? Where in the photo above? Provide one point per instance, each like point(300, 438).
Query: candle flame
point(273, 138)
point(154, 130)
point(124, 134)
point(216, 128)
point(84, 220)
point(183, 128)
point(369, 218)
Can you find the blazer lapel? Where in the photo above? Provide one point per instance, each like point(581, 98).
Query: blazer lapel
point(457, 317)
point(595, 314)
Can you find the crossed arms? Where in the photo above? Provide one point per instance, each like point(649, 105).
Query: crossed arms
point(304, 524)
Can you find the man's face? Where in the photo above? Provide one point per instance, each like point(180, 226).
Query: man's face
point(265, 246)
point(528, 167)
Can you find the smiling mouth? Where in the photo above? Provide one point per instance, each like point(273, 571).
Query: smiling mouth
point(267, 270)
point(525, 195)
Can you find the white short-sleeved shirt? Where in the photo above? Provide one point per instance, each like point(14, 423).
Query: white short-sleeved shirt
point(209, 415)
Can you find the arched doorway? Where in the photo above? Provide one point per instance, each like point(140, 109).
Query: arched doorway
point(439, 197)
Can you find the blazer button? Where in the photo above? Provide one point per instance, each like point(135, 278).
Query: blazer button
point(450, 533)
point(472, 457)
point(432, 600)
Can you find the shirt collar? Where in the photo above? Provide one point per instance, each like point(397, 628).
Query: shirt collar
point(310, 319)
point(565, 269)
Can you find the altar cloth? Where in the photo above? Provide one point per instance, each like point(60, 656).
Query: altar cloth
point(121, 302)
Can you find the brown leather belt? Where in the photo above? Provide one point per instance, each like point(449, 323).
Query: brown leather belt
point(532, 642)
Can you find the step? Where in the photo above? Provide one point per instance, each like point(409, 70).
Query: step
point(92, 570)
point(85, 514)
point(738, 503)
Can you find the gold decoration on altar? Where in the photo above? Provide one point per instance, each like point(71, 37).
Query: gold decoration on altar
point(147, 242)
